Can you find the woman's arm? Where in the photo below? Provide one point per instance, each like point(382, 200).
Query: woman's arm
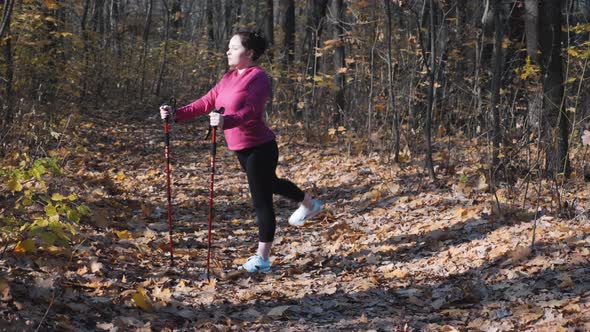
point(257, 95)
point(198, 107)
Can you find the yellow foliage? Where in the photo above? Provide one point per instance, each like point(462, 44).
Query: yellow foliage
point(14, 185)
point(123, 234)
point(142, 300)
point(25, 246)
point(529, 70)
point(51, 4)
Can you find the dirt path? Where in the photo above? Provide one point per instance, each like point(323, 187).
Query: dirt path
point(392, 251)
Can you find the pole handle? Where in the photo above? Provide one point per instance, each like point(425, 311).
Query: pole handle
point(171, 103)
point(220, 111)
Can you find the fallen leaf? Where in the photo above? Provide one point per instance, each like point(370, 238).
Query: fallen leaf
point(158, 226)
point(482, 184)
point(363, 319)
point(566, 281)
point(572, 308)
point(25, 246)
point(519, 253)
point(181, 288)
point(82, 270)
point(59, 251)
point(79, 307)
point(123, 234)
point(100, 217)
point(5, 290)
point(278, 312)
point(528, 313)
point(416, 301)
point(105, 326)
point(142, 300)
point(330, 290)
point(586, 138)
point(395, 274)
point(95, 266)
point(186, 314)
point(162, 294)
point(147, 210)
point(121, 176)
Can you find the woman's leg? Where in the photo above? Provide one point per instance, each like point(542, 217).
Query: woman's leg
point(260, 165)
point(285, 187)
point(290, 190)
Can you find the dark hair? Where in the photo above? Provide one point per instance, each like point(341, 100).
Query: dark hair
point(253, 40)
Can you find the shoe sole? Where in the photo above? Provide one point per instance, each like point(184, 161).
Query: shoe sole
point(241, 268)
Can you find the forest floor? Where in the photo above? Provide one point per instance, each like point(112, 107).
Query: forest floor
point(392, 250)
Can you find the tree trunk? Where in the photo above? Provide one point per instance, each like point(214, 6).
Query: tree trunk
point(7, 104)
point(556, 135)
point(496, 82)
point(85, 52)
point(317, 11)
point(288, 26)
point(165, 52)
point(84, 16)
point(428, 130)
point(210, 27)
point(396, 129)
point(269, 34)
point(289, 31)
point(146, 35)
point(339, 64)
point(535, 95)
point(6, 14)
point(268, 28)
point(227, 22)
point(531, 21)
point(177, 21)
point(371, 84)
point(113, 22)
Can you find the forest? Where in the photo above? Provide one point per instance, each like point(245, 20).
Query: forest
point(447, 139)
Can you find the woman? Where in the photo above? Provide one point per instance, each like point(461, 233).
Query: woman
point(243, 92)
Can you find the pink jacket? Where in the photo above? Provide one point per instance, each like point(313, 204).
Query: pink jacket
point(243, 96)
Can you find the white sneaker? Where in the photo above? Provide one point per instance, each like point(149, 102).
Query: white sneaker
point(256, 264)
point(302, 214)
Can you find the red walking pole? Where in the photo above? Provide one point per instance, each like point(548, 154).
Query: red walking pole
point(168, 189)
point(211, 182)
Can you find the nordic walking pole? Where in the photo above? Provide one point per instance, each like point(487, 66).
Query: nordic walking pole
point(213, 130)
point(168, 189)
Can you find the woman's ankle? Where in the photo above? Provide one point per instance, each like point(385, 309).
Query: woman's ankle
point(264, 249)
point(307, 201)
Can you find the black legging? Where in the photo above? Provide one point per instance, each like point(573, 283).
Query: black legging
point(260, 164)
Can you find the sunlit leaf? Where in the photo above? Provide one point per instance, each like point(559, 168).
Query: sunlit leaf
point(586, 138)
point(123, 234)
point(51, 4)
point(73, 215)
point(57, 197)
point(14, 185)
point(142, 300)
point(48, 238)
point(25, 246)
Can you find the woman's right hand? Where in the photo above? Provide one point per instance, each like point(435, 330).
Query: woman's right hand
point(165, 111)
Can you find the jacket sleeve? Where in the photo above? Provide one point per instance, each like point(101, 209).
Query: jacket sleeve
point(257, 94)
point(198, 107)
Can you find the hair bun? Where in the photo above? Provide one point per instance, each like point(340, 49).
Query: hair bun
point(253, 40)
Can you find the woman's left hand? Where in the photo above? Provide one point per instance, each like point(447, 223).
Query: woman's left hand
point(216, 120)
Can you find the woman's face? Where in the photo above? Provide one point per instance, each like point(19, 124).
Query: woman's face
point(237, 55)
